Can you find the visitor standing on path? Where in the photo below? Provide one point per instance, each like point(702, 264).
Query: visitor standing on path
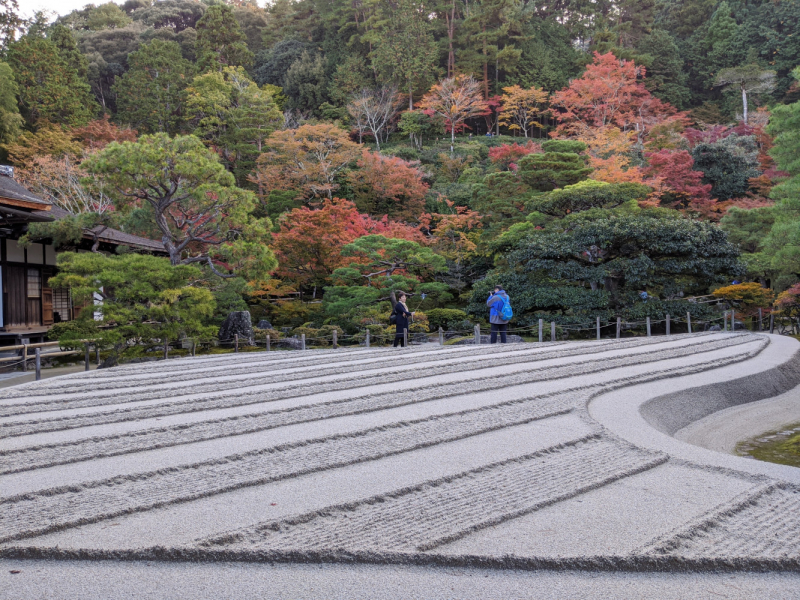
point(497, 301)
point(402, 316)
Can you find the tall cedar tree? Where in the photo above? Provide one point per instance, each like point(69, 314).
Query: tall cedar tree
point(220, 41)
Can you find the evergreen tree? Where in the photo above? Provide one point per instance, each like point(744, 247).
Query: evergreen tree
point(220, 41)
point(150, 94)
point(10, 120)
point(49, 88)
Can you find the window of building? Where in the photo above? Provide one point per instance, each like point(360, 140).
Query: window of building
point(34, 283)
point(62, 304)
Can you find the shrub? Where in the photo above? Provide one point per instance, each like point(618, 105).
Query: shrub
point(446, 318)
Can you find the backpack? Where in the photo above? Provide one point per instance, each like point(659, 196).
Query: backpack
point(393, 318)
point(505, 312)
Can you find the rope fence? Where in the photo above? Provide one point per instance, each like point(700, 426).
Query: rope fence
point(543, 331)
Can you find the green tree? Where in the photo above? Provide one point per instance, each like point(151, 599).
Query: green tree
point(596, 262)
point(305, 84)
point(150, 95)
point(145, 301)
point(220, 41)
point(405, 49)
point(49, 88)
point(782, 245)
point(10, 22)
point(746, 79)
point(233, 115)
point(381, 267)
point(728, 165)
point(559, 166)
point(10, 120)
point(191, 199)
point(107, 16)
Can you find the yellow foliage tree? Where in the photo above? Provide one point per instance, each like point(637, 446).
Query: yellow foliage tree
point(521, 107)
point(750, 296)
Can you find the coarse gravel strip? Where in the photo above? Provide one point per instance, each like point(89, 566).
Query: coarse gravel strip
point(51, 509)
point(439, 512)
point(484, 379)
point(39, 456)
point(342, 375)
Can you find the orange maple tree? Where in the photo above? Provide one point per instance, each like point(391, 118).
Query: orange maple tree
point(387, 185)
point(609, 93)
point(307, 159)
point(309, 243)
point(456, 99)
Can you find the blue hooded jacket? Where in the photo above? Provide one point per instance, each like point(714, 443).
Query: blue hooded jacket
point(496, 304)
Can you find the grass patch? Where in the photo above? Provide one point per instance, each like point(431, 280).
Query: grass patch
point(781, 447)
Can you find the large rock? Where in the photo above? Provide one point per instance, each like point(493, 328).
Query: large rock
point(291, 343)
point(264, 324)
point(237, 322)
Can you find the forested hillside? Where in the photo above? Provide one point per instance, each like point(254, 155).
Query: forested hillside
point(311, 158)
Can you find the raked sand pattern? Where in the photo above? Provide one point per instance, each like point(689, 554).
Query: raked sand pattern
point(463, 456)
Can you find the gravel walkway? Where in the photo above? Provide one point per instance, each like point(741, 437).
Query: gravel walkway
point(499, 457)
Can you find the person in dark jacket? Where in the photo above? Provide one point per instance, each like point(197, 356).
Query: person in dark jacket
point(499, 325)
point(403, 317)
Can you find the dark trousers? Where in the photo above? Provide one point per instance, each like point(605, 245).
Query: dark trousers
point(399, 338)
point(502, 329)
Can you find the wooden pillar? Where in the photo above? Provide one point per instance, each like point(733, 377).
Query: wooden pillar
point(552, 331)
point(25, 358)
point(335, 339)
point(598, 328)
point(269, 343)
point(689, 322)
point(668, 323)
point(405, 338)
point(366, 339)
point(235, 342)
point(648, 326)
point(303, 341)
point(194, 347)
point(619, 327)
point(441, 336)
point(477, 334)
point(771, 323)
point(541, 330)
point(97, 352)
point(86, 360)
point(38, 364)
point(725, 321)
point(760, 320)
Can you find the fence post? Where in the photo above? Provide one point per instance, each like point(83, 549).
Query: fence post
point(366, 339)
point(598, 328)
point(235, 342)
point(303, 341)
point(166, 351)
point(541, 330)
point(552, 331)
point(405, 338)
point(38, 364)
point(689, 322)
point(441, 336)
point(97, 352)
point(335, 339)
point(725, 321)
point(667, 324)
point(760, 320)
point(619, 327)
point(269, 343)
point(25, 358)
point(648, 326)
point(771, 323)
point(194, 347)
point(477, 334)
point(87, 357)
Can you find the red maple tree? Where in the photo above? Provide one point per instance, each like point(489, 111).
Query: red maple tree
point(387, 185)
point(309, 243)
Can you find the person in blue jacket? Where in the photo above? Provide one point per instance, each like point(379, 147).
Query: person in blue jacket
point(495, 302)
